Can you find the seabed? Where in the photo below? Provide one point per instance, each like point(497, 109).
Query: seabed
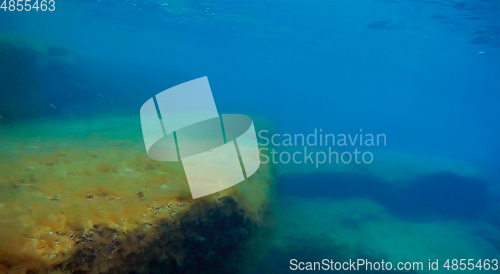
point(81, 195)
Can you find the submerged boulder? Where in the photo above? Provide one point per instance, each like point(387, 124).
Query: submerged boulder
point(82, 196)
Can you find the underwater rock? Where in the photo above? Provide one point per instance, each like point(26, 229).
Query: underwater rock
point(29, 71)
point(442, 194)
point(76, 209)
point(20, 93)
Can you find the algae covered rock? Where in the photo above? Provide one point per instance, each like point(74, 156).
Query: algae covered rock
point(82, 196)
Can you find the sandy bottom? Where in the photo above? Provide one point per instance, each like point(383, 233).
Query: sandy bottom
point(315, 229)
point(315, 223)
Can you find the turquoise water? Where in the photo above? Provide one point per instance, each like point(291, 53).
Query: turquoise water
point(425, 74)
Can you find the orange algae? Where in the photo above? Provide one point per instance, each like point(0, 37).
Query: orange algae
point(77, 204)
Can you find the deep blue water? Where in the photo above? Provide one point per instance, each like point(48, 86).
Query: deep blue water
point(385, 66)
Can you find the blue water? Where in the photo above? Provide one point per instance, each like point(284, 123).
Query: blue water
point(424, 73)
point(300, 64)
